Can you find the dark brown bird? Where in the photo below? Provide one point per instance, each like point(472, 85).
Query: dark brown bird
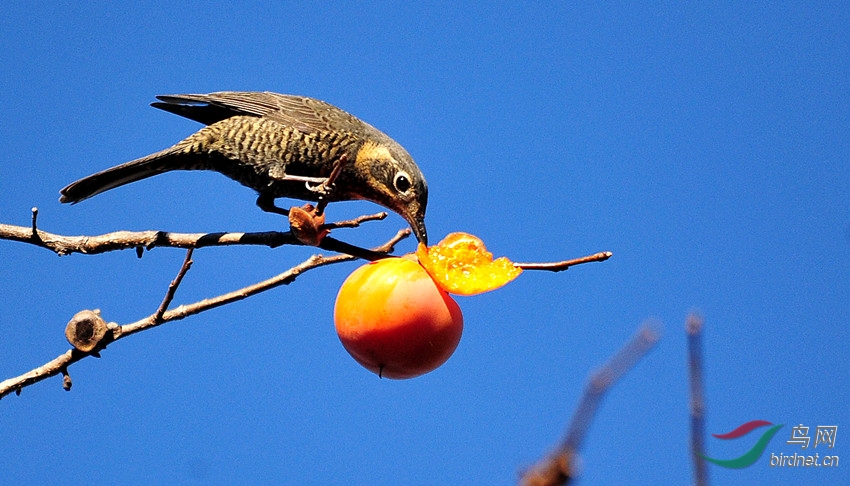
point(280, 146)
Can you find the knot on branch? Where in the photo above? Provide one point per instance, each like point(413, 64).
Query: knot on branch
point(86, 331)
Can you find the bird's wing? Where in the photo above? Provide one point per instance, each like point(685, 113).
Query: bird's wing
point(307, 114)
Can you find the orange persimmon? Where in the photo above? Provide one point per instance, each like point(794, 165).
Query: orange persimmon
point(394, 320)
point(461, 264)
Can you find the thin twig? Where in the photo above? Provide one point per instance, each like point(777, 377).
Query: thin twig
point(35, 224)
point(563, 265)
point(558, 468)
point(332, 244)
point(61, 363)
point(124, 240)
point(693, 327)
point(172, 287)
point(354, 223)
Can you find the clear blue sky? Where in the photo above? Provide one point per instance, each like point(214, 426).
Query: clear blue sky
point(706, 147)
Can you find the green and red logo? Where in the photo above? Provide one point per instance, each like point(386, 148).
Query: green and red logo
point(752, 455)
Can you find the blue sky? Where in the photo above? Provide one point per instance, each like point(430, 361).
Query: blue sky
point(705, 146)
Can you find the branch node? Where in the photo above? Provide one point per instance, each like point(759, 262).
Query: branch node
point(35, 224)
point(66, 380)
point(86, 331)
point(113, 327)
point(159, 239)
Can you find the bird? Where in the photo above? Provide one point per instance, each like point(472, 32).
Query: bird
point(282, 146)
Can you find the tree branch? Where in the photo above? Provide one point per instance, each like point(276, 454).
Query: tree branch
point(89, 333)
point(124, 240)
point(172, 287)
point(693, 327)
point(563, 265)
point(559, 468)
point(115, 332)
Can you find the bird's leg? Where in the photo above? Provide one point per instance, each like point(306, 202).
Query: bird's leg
point(278, 173)
point(321, 186)
point(266, 203)
point(327, 187)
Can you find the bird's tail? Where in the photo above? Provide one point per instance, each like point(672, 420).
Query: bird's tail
point(132, 171)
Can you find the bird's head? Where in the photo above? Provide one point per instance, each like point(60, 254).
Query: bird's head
point(392, 179)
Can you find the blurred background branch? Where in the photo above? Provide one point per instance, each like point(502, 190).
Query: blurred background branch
point(560, 466)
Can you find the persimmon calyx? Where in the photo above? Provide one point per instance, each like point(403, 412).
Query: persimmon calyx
point(307, 224)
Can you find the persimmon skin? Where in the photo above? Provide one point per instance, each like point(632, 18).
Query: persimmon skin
point(395, 321)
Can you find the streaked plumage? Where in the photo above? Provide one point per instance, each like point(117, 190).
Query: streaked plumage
point(280, 146)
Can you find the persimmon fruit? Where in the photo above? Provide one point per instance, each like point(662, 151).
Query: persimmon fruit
point(461, 265)
point(394, 320)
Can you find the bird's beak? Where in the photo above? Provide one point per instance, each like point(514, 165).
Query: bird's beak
point(417, 223)
point(419, 231)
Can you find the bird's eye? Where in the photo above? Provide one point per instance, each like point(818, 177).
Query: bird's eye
point(402, 182)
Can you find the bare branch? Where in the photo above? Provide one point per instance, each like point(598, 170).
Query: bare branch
point(61, 363)
point(124, 240)
point(51, 368)
point(172, 287)
point(563, 265)
point(605, 377)
point(354, 223)
point(693, 326)
point(332, 244)
point(558, 468)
